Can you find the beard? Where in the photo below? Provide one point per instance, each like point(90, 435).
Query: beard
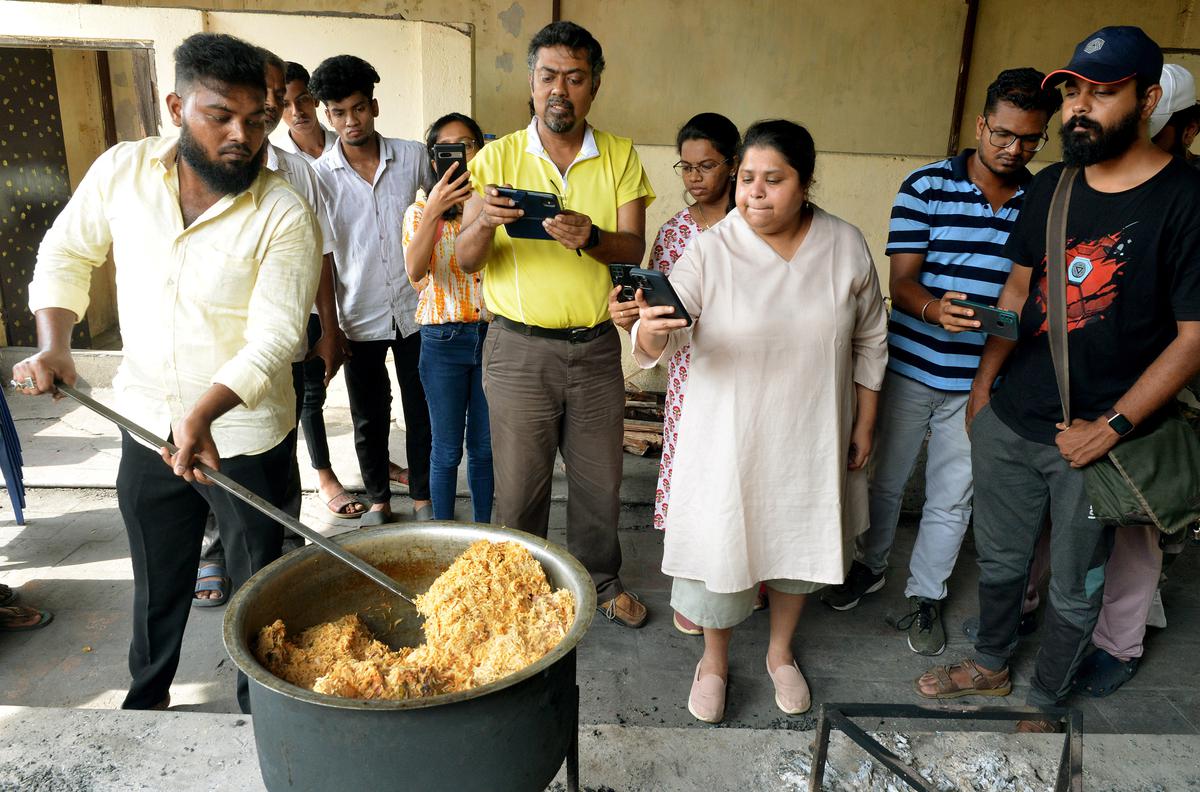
point(1082, 150)
point(228, 178)
point(563, 122)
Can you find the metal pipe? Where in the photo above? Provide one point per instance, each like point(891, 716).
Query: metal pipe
point(964, 71)
point(243, 494)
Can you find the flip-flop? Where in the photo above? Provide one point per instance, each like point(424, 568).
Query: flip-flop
point(220, 586)
point(7, 596)
point(1100, 674)
point(341, 501)
point(16, 612)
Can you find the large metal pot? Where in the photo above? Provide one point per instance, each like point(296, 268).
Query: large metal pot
point(512, 734)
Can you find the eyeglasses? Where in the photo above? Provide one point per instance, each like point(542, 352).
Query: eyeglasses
point(706, 167)
point(1003, 139)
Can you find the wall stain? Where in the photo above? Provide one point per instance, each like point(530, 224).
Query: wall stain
point(504, 62)
point(511, 19)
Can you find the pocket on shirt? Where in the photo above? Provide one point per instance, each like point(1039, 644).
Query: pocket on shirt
point(221, 280)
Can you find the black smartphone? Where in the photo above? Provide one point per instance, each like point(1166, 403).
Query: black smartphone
point(620, 277)
point(657, 290)
point(992, 321)
point(537, 207)
point(445, 155)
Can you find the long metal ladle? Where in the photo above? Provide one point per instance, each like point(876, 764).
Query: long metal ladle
point(238, 491)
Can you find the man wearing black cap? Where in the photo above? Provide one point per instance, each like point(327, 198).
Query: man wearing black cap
point(1133, 313)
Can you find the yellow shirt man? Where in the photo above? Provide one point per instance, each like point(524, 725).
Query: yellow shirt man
point(222, 301)
point(539, 282)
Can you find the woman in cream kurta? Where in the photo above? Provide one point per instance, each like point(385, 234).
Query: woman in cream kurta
point(763, 489)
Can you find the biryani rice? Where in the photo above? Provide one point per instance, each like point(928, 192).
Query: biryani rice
point(490, 614)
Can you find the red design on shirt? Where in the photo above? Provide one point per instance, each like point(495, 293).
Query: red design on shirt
point(1094, 268)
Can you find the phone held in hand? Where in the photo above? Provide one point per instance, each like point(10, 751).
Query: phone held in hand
point(445, 155)
point(656, 288)
point(537, 206)
point(620, 277)
point(992, 321)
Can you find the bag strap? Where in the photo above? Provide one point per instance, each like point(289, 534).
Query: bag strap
point(1056, 277)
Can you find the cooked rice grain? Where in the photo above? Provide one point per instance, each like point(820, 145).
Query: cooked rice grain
point(490, 614)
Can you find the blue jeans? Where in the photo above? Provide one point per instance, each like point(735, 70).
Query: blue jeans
point(452, 374)
point(908, 411)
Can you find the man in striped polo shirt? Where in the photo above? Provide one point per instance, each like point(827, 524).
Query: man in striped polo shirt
point(949, 224)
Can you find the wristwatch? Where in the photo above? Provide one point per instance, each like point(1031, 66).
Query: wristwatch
point(593, 239)
point(1119, 423)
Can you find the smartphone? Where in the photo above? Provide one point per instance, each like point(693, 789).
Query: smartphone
point(445, 155)
point(992, 321)
point(657, 290)
point(620, 277)
point(538, 206)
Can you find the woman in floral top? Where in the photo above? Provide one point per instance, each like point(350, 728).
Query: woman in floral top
point(453, 327)
point(707, 146)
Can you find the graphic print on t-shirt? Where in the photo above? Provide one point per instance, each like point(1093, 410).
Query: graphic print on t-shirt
point(1094, 268)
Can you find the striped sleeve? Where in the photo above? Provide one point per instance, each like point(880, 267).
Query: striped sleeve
point(908, 231)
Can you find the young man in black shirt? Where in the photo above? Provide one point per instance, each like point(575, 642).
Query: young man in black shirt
point(1133, 292)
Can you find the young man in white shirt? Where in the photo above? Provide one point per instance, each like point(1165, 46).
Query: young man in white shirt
point(305, 135)
point(369, 180)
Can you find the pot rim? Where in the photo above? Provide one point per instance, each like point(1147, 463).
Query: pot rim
point(239, 650)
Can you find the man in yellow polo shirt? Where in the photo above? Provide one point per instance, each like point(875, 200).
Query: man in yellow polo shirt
point(552, 364)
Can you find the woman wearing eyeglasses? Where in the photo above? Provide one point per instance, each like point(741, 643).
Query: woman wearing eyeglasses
point(788, 353)
point(707, 147)
point(453, 327)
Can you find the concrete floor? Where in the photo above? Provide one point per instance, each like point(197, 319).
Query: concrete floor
point(72, 558)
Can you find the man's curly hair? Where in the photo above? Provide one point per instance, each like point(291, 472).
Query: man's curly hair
point(1022, 88)
point(340, 76)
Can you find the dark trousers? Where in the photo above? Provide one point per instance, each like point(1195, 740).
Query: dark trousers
point(164, 520)
point(1017, 484)
point(452, 374)
point(212, 551)
point(312, 401)
point(546, 395)
point(370, 394)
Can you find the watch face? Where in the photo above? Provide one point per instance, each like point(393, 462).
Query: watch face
point(1120, 424)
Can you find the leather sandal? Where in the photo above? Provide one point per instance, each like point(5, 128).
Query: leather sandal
point(984, 683)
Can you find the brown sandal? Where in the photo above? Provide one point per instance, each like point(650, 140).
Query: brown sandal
point(994, 683)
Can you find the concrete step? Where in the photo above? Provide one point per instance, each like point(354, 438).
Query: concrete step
point(78, 750)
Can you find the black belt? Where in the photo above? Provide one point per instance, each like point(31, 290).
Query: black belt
point(573, 335)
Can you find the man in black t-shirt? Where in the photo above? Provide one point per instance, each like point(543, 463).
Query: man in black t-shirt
point(1133, 312)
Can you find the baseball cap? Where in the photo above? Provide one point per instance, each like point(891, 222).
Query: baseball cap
point(1179, 93)
point(1112, 55)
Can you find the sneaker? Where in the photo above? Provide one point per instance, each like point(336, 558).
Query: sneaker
point(926, 631)
point(860, 581)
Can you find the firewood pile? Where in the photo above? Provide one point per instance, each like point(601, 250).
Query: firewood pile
point(643, 422)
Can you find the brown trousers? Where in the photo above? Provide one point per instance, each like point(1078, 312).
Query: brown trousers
point(546, 395)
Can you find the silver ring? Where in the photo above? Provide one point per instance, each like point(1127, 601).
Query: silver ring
point(27, 383)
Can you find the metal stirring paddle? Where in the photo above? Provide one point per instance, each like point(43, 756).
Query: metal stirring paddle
point(237, 490)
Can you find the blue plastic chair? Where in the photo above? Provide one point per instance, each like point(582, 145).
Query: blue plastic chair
point(10, 460)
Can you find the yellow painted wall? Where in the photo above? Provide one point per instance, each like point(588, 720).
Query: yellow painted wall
point(863, 75)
